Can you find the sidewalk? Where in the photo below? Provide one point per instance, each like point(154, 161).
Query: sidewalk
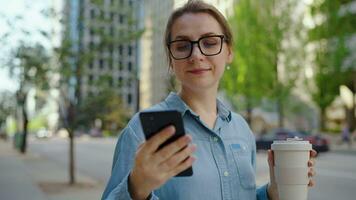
point(33, 177)
point(343, 148)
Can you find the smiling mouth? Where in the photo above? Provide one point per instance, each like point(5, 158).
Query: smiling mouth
point(198, 71)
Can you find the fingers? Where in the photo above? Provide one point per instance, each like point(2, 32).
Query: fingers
point(153, 143)
point(311, 163)
point(311, 172)
point(313, 153)
point(179, 157)
point(171, 149)
point(183, 166)
point(311, 183)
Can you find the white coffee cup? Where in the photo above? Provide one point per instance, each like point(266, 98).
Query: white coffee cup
point(291, 168)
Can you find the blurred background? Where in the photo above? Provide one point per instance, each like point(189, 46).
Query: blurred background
point(73, 72)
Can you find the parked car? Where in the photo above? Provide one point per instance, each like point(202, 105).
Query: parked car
point(43, 133)
point(319, 142)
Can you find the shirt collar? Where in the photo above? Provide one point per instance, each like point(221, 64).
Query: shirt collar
point(175, 102)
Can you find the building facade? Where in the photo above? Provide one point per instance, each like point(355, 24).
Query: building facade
point(102, 32)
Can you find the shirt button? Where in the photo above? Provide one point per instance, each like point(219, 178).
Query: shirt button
point(215, 139)
point(226, 173)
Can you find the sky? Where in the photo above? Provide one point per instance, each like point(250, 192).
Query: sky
point(32, 19)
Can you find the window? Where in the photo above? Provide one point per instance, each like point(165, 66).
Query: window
point(91, 32)
point(91, 79)
point(129, 98)
point(91, 45)
point(112, 16)
point(120, 81)
point(130, 66)
point(92, 13)
point(91, 65)
point(112, 31)
point(120, 65)
point(101, 64)
point(130, 50)
point(111, 64)
point(111, 49)
point(121, 50)
point(121, 18)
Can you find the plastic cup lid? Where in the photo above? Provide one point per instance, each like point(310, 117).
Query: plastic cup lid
point(291, 144)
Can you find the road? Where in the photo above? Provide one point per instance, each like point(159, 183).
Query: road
point(336, 172)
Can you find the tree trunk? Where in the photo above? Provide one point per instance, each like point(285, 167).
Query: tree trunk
point(322, 119)
point(353, 110)
point(249, 112)
point(70, 128)
point(280, 109)
point(23, 147)
point(71, 157)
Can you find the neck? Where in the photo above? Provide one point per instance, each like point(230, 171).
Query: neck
point(201, 102)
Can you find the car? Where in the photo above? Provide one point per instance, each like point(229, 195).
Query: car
point(319, 142)
point(43, 133)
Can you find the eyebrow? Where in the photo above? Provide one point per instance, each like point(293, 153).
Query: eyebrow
point(186, 37)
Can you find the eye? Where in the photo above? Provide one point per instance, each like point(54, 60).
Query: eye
point(209, 42)
point(181, 46)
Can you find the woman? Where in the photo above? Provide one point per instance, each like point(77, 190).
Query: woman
point(199, 46)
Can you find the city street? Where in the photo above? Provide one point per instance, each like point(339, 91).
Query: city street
point(336, 171)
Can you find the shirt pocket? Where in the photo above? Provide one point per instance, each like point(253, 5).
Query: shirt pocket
point(242, 158)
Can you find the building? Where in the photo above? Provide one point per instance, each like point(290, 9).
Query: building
point(100, 32)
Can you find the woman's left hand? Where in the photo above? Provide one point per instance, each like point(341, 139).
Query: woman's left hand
point(272, 186)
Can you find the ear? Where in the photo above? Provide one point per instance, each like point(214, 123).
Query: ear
point(230, 55)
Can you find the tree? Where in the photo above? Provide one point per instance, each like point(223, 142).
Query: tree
point(266, 37)
point(29, 64)
point(334, 65)
point(74, 56)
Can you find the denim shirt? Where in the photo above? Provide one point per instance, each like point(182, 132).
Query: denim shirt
point(225, 158)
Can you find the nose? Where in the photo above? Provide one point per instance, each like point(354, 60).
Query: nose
point(196, 53)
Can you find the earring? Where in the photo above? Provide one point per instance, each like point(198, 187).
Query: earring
point(228, 67)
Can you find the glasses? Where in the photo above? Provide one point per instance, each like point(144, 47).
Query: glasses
point(208, 45)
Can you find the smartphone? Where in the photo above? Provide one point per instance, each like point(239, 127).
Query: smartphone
point(153, 122)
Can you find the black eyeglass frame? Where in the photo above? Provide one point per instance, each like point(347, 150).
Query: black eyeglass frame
point(222, 38)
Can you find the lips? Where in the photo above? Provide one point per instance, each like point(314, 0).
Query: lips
point(199, 71)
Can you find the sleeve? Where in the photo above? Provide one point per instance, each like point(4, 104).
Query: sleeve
point(125, 151)
point(261, 193)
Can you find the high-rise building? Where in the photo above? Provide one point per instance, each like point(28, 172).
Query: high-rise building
point(101, 31)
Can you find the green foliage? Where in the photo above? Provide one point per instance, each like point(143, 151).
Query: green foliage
point(330, 39)
point(75, 60)
point(260, 29)
point(37, 123)
point(107, 106)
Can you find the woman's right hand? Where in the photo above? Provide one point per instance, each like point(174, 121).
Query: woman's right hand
point(152, 168)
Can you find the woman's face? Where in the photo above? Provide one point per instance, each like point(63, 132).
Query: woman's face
point(199, 71)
